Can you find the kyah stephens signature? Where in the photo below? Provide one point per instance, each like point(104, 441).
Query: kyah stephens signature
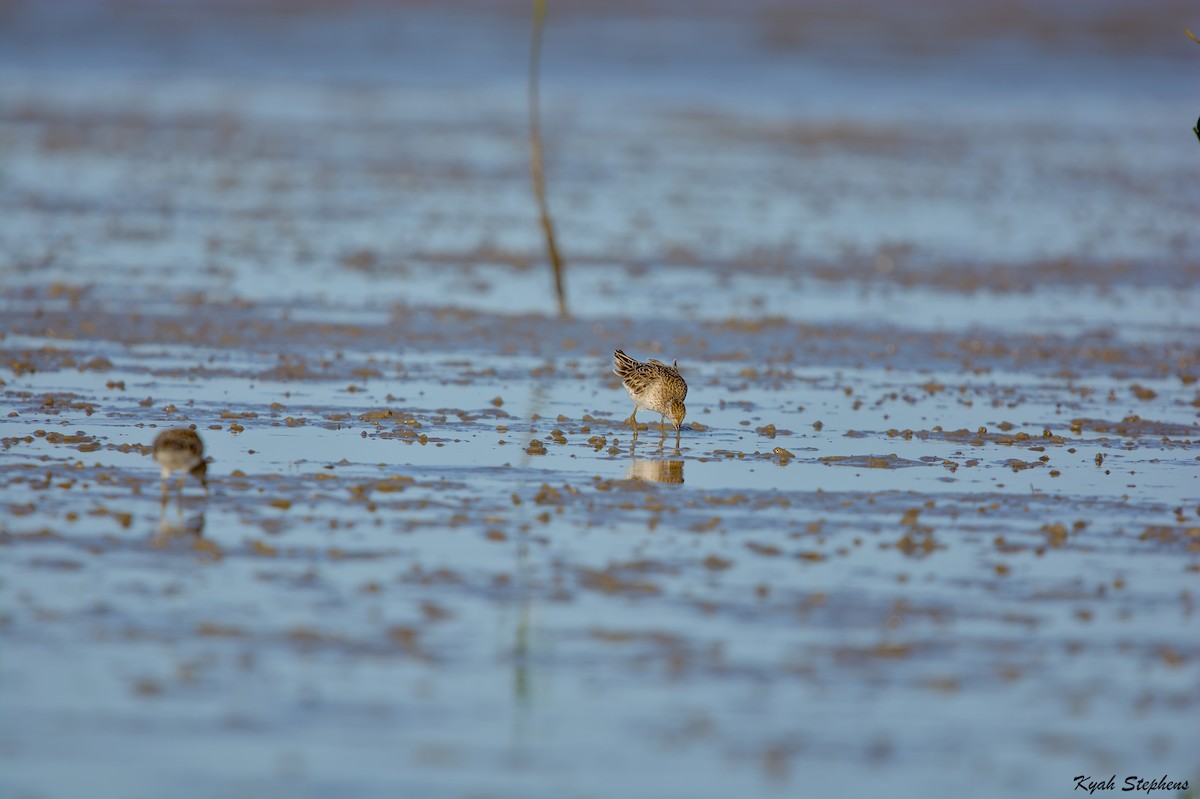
point(1084, 782)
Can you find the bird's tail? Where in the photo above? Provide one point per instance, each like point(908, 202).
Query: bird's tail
point(623, 364)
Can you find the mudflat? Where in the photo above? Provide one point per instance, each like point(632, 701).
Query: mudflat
point(931, 526)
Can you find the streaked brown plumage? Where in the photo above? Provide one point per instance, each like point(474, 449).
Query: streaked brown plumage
point(654, 386)
point(181, 450)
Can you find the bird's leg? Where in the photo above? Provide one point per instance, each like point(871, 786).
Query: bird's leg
point(164, 492)
point(633, 419)
point(662, 425)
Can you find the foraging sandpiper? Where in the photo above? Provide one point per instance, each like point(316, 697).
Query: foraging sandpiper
point(181, 450)
point(654, 386)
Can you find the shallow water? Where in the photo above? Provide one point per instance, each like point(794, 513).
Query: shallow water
point(931, 527)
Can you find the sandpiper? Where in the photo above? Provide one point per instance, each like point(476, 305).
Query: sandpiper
point(654, 386)
point(181, 450)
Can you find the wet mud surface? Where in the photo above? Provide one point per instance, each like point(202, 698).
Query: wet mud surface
point(932, 526)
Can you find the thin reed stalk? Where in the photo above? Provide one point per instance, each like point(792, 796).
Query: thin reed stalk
point(535, 156)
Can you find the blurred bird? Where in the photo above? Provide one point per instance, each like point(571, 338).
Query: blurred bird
point(181, 450)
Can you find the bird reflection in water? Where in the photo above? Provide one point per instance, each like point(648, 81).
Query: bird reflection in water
point(656, 470)
point(659, 470)
point(175, 522)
